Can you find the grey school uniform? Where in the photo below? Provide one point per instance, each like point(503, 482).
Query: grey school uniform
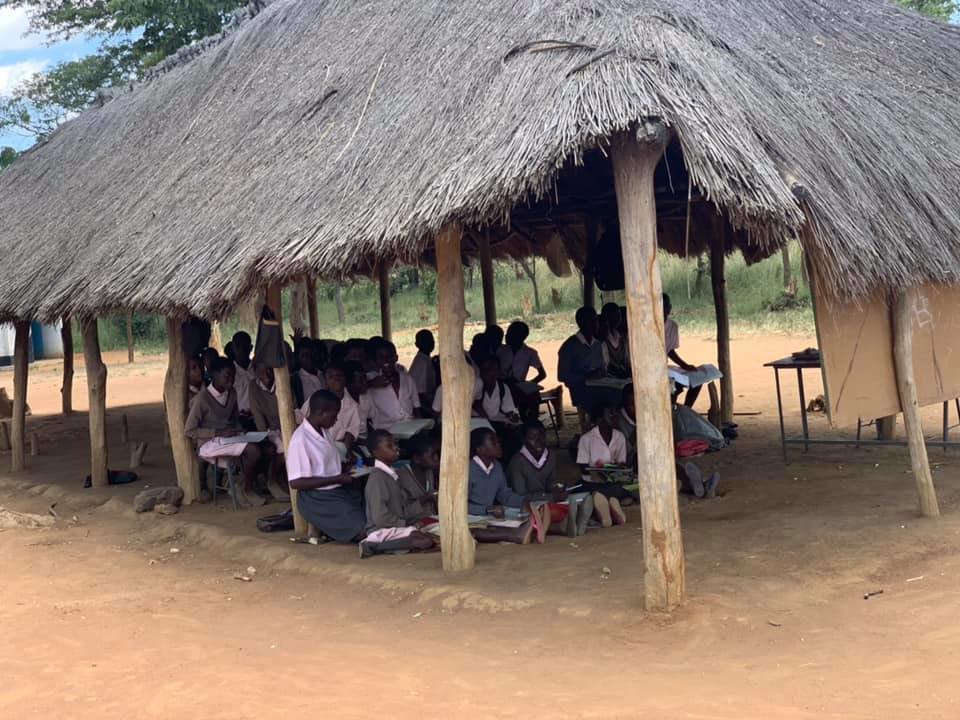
point(207, 416)
point(384, 502)
point(527, 479)
point(488, 489)
point(413, 484)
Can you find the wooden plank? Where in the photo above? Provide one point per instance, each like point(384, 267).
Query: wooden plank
point(457, 545)
point(903, 311)
point(130, 348)
point(97, 393)
point(18, 422)
point(176, 401)
point(311, 284)
point(634, 162)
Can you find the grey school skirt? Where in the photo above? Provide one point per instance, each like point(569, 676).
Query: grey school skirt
point(337, 513)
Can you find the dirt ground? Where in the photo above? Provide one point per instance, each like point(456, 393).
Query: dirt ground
point(100, 619)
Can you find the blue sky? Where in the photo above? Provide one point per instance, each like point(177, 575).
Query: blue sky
point(23, 54)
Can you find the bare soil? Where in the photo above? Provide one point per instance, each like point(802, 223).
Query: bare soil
point(99, 618)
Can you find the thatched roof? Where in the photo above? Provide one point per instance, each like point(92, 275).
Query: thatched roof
point(323, 133)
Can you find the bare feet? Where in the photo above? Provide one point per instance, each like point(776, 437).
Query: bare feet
point(525, 533)
point(601, 508)
point(617, 514)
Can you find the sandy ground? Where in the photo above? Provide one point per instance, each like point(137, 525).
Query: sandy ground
point(100, 620)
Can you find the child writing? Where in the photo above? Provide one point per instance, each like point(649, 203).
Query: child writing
point(603, 447)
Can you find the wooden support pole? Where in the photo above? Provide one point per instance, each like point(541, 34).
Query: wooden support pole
point(634, 162)
point(18, 423)
point(311, 284)
point(902, 311)
point(887, 427)
point(718, 278)
point(486, 279)
point(130, 351)
point(97, 393)
point(589, 283)
point(66, 389)
point(285, 403)
point(456, 543)
point(216, 337)
point(176, 403)
point(383, 270)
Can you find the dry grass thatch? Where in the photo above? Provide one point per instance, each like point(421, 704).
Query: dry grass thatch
point(321, 133)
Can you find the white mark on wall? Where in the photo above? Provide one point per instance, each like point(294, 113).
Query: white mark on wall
point(921, 310)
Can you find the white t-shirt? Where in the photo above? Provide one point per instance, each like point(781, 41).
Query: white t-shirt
point(438, 398)
point(495, 406)
point(312, 454)
point(671, 335)
point(516, 365)
point(391, 406)
point(593, 450)
point(310, 383)
point(423, 374)
point(245, 377)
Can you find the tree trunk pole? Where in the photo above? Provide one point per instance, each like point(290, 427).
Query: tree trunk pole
point(456, 543)
point(718, 279)
point(97, 392)
point(285, 403)
point(66, 390)
point(589, 284)
point(216, 337)
point(486, 279)
point(383, 270)
point(311, 284)
point(787, 269)
point(338, 301)
point(176, 402)
point(21, 366)
point(634, 162)
point(907, 387)
point(130, 352)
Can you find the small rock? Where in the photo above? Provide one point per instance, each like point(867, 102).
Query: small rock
point(419, 614)
point(147, 500)
point(242, 578)
point(251, 571)
point(174, 551)
point(605, 570)
point(164, 509)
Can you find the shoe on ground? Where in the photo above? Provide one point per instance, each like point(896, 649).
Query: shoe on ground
point(584, 511)
point(710, 487)
point(695, 477)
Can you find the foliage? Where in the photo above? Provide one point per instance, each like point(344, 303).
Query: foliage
point(938, 9)
point(137, 34)
point(7, 156)
point(43, 101)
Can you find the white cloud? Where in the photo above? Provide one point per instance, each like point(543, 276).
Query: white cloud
point(12, 75)
point(14, 29)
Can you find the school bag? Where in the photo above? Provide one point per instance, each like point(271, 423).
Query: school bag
point(269, 347)
point(688, 425)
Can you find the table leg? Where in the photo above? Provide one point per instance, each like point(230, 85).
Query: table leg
point(859, 429)
point(783, 434)
point(803, 411)
point(946, 424)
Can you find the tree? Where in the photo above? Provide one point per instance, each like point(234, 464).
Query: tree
point(7, 156)
point(137, 34)
point(938, 9)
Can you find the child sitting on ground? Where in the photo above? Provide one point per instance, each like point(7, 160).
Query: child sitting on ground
point(489, 494)
point(418, 480)
point(533, 473)
point(603, 447)
point(391, 526)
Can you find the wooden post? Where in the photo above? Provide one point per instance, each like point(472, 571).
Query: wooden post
point(383, 270)
point(718, 279)
point(311, 284)
point(902, 310)
point(634, 161)
point(589, 284)
point(18, 423)
point(285, 403)
point(486, 279)
point(66, 389)
point(97, 392)
point(456, 543)
point(176, 401)
point(130, 354)
point(887, 427)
